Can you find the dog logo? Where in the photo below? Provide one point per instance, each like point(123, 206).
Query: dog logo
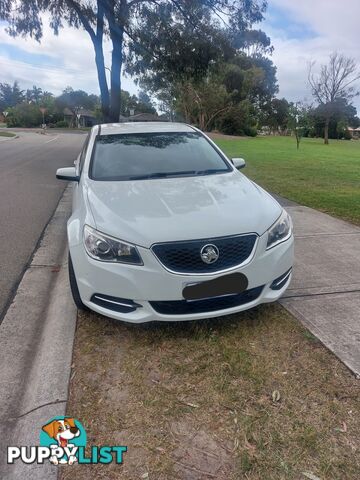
point(63, 441)
point(65, 433)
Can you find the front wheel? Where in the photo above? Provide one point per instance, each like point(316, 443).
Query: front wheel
point(74, 288)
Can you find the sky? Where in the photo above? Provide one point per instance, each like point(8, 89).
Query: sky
point(309, 30)
point(301, 32)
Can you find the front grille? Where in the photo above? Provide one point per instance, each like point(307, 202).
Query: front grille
point(185, 307)
point(184, 256)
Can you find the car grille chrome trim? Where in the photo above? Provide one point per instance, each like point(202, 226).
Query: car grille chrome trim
point(249, 244)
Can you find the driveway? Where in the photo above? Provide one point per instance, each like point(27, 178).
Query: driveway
point(29, 193)
point(325, 291)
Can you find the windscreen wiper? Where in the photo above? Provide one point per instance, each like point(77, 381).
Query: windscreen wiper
point(146, 176)
point(161, 175)
point(210, 170)
point(175, 174)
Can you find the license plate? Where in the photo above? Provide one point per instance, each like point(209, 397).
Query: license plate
point(225, 285)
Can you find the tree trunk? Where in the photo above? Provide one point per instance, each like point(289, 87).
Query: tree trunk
point(97, 41)
point(104, 90)
point(202, 121)
point(326, 131)
point(99, 60)
point(116, 21)
point(116, 65)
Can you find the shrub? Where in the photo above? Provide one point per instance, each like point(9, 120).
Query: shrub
point(347, 135)
point(24, 115)
point(250, 131)
point(238, 120)
point(61, 124)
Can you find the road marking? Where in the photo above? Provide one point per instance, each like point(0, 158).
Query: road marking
point(48, 141)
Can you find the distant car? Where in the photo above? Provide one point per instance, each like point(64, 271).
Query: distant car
point(165, 227)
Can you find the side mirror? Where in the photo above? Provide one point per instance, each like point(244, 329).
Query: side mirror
point(238, 163)
point(67, 173)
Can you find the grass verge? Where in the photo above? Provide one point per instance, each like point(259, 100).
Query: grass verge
point(7, 134)
point(325, 177)
point(250, 396)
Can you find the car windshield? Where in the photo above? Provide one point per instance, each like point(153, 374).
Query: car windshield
point(139, 156)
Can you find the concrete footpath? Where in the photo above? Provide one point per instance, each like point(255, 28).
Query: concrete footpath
point(325, 291)
point(36, 342)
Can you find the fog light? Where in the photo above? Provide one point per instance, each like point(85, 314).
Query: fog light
point(279, 282)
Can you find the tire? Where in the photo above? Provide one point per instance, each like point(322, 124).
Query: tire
point(74, 288)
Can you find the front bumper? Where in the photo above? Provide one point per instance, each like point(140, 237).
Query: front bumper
point(151, 282)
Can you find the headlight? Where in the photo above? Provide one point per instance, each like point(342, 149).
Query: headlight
point(280, 231)
point(108, 249)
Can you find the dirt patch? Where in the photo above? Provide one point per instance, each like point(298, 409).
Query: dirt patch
point(200, 455)
point(222, 136)
point(249, 396)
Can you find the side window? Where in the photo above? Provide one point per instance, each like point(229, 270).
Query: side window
point(83, 153)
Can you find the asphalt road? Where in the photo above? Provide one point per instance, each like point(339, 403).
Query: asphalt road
point(29, 194)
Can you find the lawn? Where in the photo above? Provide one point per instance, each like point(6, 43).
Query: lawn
point(250, 396)
point(7, 134)
point(325, 177)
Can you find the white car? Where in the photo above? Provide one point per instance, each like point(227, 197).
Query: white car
point(165, 227)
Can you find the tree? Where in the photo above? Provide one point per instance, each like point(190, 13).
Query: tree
point(275, 115)
point(132, 102)
point(145, 104)
point(343, 115)
point(203, 102)
point(298, 120)
point(75, 100)
point(34, 95)
point(24, 18)
point(128, 24)
point(10, 95)
point(167, 102)
point(335, 80)
point(261, 77)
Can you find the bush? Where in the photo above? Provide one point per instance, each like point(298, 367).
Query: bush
point(61, 124)
point(250, 131)
point(231, 126)
point(347, 135)
point(24, 115)
point(238, 120)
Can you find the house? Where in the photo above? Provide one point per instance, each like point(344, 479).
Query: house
point(354, 132)
point(141, 117)
point(84, 118)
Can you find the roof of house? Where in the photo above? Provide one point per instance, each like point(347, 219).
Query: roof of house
point(83, 112)
point(143, 127)
point(141, 117)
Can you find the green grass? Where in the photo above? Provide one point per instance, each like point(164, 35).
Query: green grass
point(7, 134)
point(325, 177)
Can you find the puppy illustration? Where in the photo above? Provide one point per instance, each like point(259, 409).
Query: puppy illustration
point(62, 431)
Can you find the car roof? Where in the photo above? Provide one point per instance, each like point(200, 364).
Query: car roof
point(143, 127)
